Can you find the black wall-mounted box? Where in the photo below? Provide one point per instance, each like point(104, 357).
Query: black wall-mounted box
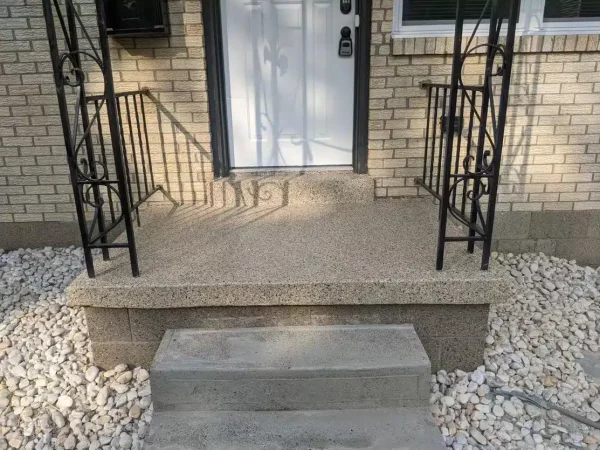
point(130, 18)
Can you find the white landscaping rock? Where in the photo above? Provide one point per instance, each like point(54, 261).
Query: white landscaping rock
point(92, 373)
point(64, 402)
point(51, 396)
point(533, 344)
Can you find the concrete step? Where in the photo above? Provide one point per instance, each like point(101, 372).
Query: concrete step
point(375, 429)
point(293, 188)
point(290, 368)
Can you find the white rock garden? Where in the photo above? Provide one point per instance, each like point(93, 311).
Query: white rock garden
point(533, 347)
point(51, 397)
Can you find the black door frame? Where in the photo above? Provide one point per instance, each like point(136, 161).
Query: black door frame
point(217, 101)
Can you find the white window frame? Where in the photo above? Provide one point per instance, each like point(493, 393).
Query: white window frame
point(531, 22)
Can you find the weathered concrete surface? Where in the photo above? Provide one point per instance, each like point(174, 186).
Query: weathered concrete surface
point(373, 429)
point(590, 363)
point(341, 254)
point(290, 368)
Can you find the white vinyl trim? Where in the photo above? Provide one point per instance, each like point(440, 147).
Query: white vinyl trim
point(267, 170)
point(531, 22)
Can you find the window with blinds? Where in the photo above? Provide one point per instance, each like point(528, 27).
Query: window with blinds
point(433, 18)
point(571, 9)
point(442, 11)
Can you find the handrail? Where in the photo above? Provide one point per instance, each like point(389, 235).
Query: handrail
point(145, 91)
point(429, 84)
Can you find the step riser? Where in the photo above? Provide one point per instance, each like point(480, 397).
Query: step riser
point(290, 368)
point(293, 394)
point(293, 189)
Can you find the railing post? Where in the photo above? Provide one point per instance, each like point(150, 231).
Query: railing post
point(499, 135)
point(111, 110)
point(59, 82)
point(451, 117)
point(485, 102)
point(85, 121)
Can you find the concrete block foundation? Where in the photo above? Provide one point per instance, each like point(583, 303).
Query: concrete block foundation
point(453, 335)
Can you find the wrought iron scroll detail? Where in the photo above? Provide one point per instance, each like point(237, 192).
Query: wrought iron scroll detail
point(97, 184)
point(466, 178)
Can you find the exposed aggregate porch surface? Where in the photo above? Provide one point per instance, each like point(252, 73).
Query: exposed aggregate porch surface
point(372, 253)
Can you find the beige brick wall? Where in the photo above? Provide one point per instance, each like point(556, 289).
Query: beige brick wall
point(34, 181)
point(553, 139)
point(551, 158)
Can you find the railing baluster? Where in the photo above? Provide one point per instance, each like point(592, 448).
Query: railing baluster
point(441, 148)
point(125, 159)
point(469, 144)
point(142, 156)
point(458, 142)
point(147, 141)
point(429, 92)
point(147, 187)
point(111, 207)
point(435, 126)
point(134, 157)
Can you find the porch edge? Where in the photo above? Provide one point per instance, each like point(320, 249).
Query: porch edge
point(438, 291)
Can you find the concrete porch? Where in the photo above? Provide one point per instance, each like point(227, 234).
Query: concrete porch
point(365, 262)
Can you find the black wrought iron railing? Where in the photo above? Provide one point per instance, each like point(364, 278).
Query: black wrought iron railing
point(106, 135)
point(133, 129)
point(465, 131)
point(436, 134)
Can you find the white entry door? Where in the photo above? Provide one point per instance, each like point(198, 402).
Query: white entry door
point(290, 96)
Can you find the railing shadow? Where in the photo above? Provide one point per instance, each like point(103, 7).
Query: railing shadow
point(230, 192)
point(184, 181)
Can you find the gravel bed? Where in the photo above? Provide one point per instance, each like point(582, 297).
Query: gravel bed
point(51, 397)
point(534, 345)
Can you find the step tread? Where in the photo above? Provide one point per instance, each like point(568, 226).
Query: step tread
point(290, 368)
point(293, 351)
point(376, 429)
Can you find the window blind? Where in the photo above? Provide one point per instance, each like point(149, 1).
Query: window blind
point(566, 9)
point(442, 10)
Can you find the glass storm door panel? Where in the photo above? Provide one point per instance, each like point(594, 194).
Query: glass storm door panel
point(290, 95)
